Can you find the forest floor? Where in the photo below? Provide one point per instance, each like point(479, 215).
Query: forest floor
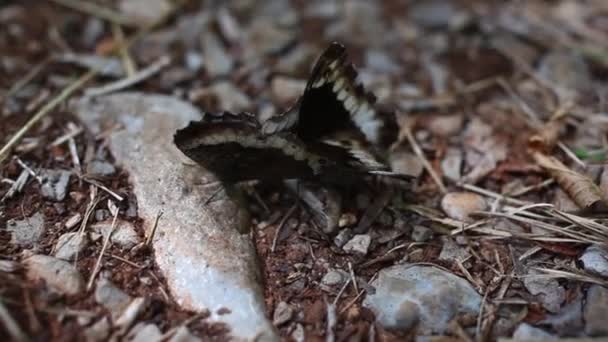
point(502, 108)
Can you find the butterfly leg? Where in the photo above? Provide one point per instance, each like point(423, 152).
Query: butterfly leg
point(324, 204)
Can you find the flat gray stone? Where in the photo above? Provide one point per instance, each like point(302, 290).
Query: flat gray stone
point(595, 260)
point(54, 184)
point(359, 244)
point(451, 163)
point(98, 331)
point(527, 332)
point(421, 233)
point(446, 125)
point(59, 275)
point(380, 61)
point(568, 319)
point(406, 162)
point(182, 334)
point(26, 232)
point(546, 290)
point(123, 236)
point(343, 237)
point(111, 297)
point(144, 11)
point(596, 311)
point(69, 245)
point(460, 205)
point(144, 332)
point(100, 168)
point(567, 71)
point(207, 262)
point(216, 59)
point(9, 266)
point(333, 277)
point(229, 97)
point(433, 14)
point(427, 297)
point(131, 312)
point(450, 251)
point(282, 314)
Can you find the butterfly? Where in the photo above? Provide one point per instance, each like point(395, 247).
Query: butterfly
point(332, 134)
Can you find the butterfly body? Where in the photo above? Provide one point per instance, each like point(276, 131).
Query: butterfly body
point(330, 135)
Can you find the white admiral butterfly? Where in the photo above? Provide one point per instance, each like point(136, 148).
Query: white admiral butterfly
point(330, 135)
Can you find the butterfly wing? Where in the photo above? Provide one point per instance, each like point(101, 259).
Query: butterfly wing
point(233, 148)
point(235, 151)
point(334, 100)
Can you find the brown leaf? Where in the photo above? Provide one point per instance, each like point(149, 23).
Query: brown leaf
point(585, 193)
point(567, 249)
point(546, 138)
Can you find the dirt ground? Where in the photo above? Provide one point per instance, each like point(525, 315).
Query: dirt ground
point(504, 103)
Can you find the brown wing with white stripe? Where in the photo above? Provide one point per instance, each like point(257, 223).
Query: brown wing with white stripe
point(334, 101)
point(233, 148)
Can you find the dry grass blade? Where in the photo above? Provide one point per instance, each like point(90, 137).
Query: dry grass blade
point(29, 170)
point(103, 250)
point(580, 188)
point(103, 187)
point(150, 237)
point(127, 61)
point(11, 325)
point(547, 136)
point(97, 11)
point(129, 81)
point(576, 236)
point(425, 162)
point(492, 194)
point(571, 154)
point(280, 227)
point(77, 83)
point(16, 186)
point(530, 113)
point(44, 111)
point(89, 210)
point(572, 276)
point(332, 320)
point(590, 225)
point(342, 289)
point(26, 79)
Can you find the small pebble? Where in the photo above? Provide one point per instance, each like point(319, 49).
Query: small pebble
point(332, 277)
point(460, 205)
point(421, 233)
point(73, 221)
point(26, 232)
point(58, 275)
point(69, 245)
point(282, 314)
point(595, 260)
point(343, 236)
point(359, 244)
point(101, 214)
point(347, 219)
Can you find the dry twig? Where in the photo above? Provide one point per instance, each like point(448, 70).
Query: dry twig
point(150, 237)
point(143, 74)
point(425, 162)
point(281, 224)
point(98, 11)
point(11, 325)
point(44, 111)
point(581, 189)
point(103, 250)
